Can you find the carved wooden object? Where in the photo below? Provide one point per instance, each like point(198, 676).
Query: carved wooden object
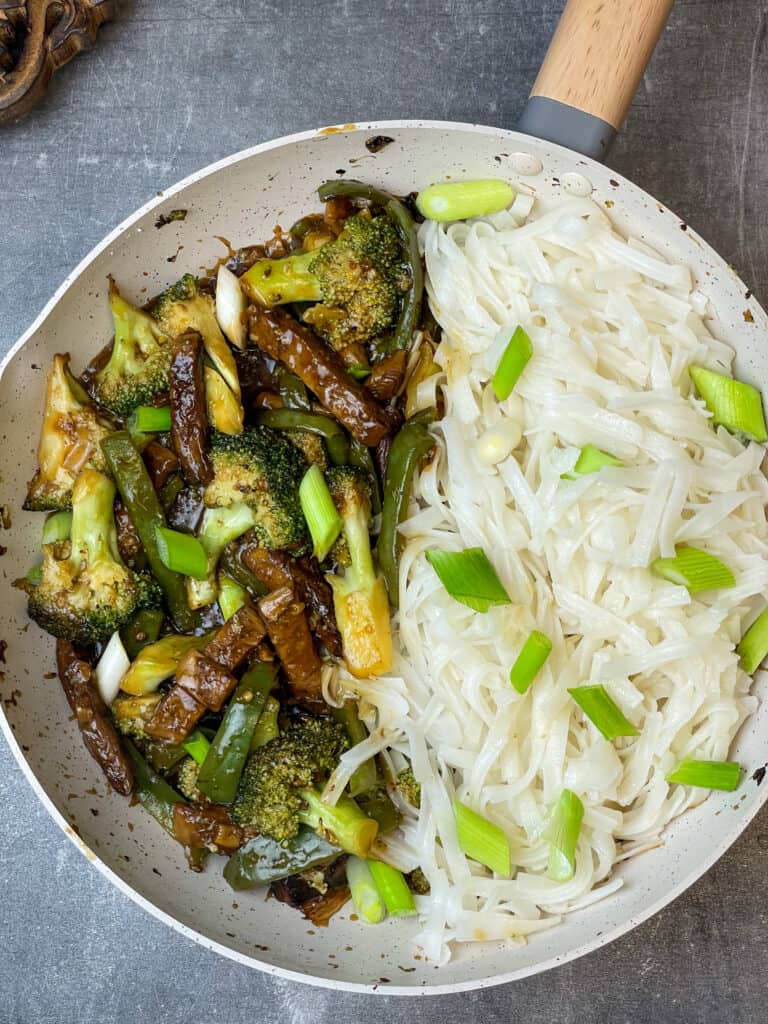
point(36, 38)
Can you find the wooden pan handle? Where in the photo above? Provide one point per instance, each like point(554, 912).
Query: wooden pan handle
point(598, 55)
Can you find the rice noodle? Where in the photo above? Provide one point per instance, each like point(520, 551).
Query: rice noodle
point(613, 326)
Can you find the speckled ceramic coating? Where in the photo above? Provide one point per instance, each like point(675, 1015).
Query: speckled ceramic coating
point(241, 199)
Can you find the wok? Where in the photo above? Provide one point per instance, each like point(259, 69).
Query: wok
point(580, 98)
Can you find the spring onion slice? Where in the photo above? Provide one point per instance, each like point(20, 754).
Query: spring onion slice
point(359, 371)
point(733, 404)
point(111, 667)
point(460, 200)
point(753, 646)
point(368, 902)
point(181, 552)
point(57, 526)
point(232, 596)
point(469, 577)
point(323, 520)
point(150, 419)
point(707, 774)
point(562, 833)
point(197, 745)
point(512, 363)
point(603, 712)
point(591, 460)
point(393, 889)
point(695, 569)
point(481, 840)
point(535, 651)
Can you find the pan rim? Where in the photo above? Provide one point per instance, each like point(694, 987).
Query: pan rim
point(427, 989)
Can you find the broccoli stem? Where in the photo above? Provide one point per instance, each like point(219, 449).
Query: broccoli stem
point(361, 575)
point(344, 824)
point(219, 527)
point(93, 526)
point(275, 282)
point(406, 229)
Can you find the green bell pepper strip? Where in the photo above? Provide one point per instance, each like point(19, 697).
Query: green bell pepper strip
point(230, 565)
point(294, 419)
point(223, 765)
point(360, 456)
point(364, 778)
point(379, 807)
point(267, 727)
point(411, 444)
point(398, 214)
point(263, 860)
point(141, 501)
point(293, 392)
point(170, 491)
point(143, 629)
point(153, 792)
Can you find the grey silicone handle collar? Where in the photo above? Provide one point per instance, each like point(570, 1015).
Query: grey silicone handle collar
point(557, 122)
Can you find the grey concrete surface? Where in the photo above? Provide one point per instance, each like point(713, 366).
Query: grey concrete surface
point(174, 85)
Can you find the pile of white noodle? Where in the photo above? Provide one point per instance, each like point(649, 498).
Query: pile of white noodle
point(613, 327)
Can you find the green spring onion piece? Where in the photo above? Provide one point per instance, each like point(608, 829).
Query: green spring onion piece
point(232, 596)
point(535, 651)
point(181, 552)
point(393, 889)
point(753, 646)
point(591, 460)
point(359, 371)
point(150, 419)
point(197, 745)
point(368, 902)
point(460, 200)
point(57, 526)
point(695, 569)
point(603, 712)
point(707, 774)
point(469, 577)
point(562, 833)
point(512, 363)
point(481, 840)
point(323, 520)
point(734, 405)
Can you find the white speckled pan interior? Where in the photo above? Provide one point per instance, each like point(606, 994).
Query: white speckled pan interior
point(241, 198)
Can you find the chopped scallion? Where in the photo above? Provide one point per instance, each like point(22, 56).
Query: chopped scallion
point(57, 527)
point(197, 745)
point(707, 774)
point(181, 552)
point(591, 460)
point(460, 200)
point(530, 660)
point(562, 833)
point(695, 569)
point(512, 363)
point(323, 520)
point(359, 371)
point(603, 712)
point(151, 419)
point(733, 404)
point(393, 889)
point(368, 902)
point(469, 577)
point(232, 596)
point(481, 840)
point(753, 646)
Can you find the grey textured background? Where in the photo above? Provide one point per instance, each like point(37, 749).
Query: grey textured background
point(174, 85)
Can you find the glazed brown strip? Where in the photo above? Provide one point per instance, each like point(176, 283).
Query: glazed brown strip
point(93, 719)
point(321, 370)
point(288, 630)
point(189, 417)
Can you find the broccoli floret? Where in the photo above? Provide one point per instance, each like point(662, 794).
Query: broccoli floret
point(311, 445)
point(359, 595)
point(357, 280)
point(85, 592)
point(138, 367)
point(262, 469)
point(187, 775)
point(409, 787)
point(281, 783)
point(184, 307)
point(70, 440)
point(131, 714)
